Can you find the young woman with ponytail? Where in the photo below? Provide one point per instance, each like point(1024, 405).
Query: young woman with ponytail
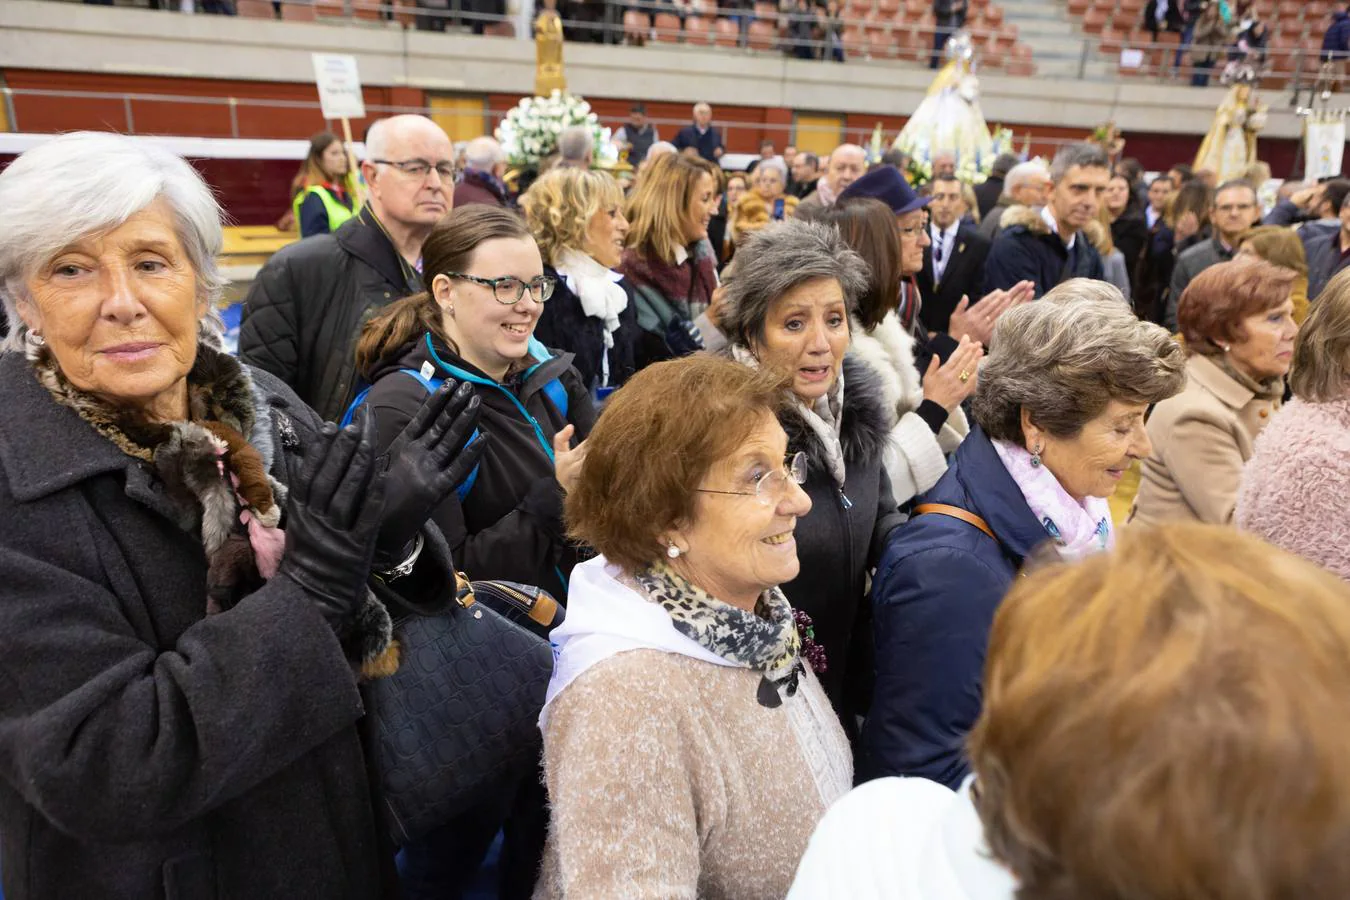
point(485, 291)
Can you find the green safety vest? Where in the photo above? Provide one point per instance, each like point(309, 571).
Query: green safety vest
point(337, 213)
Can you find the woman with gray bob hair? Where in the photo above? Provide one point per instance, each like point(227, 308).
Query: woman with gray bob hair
point(198, 570)
point(789, 308)
point(1059, 416)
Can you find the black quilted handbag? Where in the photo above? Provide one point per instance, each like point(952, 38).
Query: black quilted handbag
point(459, 719)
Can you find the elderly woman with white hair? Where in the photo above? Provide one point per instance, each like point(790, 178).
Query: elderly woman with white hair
point(198, 570)
point(765, 202)
point(484, 168)
point(789, 309)
point(1059, 416)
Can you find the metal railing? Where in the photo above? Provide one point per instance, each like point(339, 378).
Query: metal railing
point(304, 117)
point(762, 28)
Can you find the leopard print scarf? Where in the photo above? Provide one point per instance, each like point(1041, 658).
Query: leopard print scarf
point(765, 640)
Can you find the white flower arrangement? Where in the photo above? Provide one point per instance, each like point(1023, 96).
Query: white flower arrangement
point(530, 130)
point(971, 167)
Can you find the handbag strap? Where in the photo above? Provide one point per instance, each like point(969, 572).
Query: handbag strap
point(955, 512)
point(538, 604)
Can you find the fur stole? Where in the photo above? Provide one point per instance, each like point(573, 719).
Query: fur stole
point(1028, 217)
point(687, 286)
point(753, 213)
point(862, 421)
point(218, 481)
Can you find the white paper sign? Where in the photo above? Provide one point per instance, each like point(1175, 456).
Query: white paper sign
point(1324, 147)
point(339, 86)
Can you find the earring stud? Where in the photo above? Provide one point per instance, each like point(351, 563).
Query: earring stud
point(673, 552)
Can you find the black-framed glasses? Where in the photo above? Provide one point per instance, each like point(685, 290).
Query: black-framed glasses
point(770, 486)
point(509, 289)
point(420, 168)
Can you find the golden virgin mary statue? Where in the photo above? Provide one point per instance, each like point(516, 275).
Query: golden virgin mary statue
point(548, 51)
point(1230, 146)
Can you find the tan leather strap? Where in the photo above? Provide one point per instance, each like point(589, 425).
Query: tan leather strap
point(955, 512)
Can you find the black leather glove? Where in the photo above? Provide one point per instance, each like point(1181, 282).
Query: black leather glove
point(425, 463)
point(332, 516)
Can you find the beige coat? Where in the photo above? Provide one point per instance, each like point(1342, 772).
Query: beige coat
point(1201, 439)
point(669, 781)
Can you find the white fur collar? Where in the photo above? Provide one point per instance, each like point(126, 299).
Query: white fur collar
point(890, 353)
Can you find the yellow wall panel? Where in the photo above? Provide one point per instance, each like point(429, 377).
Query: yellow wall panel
point(818, 134)
point(463, 118)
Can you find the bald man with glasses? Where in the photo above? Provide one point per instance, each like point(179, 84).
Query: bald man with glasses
point(305, 309)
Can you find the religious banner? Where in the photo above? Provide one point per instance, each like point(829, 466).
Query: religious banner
point(1324, 144)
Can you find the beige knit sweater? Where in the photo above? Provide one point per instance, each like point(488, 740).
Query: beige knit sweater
point(669, 780)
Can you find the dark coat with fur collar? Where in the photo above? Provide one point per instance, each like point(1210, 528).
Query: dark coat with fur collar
point(148, 750)
point(839, 542)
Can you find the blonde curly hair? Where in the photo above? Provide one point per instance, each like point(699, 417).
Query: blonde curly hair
point(560, 205)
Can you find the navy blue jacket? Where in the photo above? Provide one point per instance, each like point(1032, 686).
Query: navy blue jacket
point(1026, 248)
point(934, 595)
point(1336, 42)
point(707, 143)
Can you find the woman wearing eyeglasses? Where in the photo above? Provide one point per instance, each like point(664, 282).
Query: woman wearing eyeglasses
point(688, 747)
point(485, 290)
point(788, 310)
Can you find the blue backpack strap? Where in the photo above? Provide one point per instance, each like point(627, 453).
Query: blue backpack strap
point(351, 409)
point(556, 392)
point(431, 385)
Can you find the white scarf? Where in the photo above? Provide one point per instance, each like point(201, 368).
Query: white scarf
point(597, 286)
point(823, 416)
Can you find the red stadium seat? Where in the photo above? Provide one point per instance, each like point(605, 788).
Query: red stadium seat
point(667, 27)
point(763, 35)
point(298, 12)
point(728, 33)
point(698, 31)
point(254, 9)
point(500, 29)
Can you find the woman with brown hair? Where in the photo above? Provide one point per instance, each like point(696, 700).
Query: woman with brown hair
point(325, 188)
point(1281, 247)
point(1168, 721)
point(474, 323)
point(669, 261)
point(485, 291)
point(689, 748)
point(1294, 489)
point(1237, 320)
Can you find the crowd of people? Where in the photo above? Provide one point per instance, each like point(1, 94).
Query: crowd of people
point(721, 535)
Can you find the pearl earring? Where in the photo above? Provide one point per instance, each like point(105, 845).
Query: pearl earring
point(673, 552)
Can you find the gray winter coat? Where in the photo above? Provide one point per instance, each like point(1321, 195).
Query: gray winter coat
point(840, 540)
point(146, 749)
point(1190, 264)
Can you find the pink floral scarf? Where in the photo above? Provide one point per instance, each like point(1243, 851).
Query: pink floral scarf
point(1077, 528)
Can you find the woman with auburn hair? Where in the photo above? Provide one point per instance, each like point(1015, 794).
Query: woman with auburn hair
point(688, 746)
point(1293, 491)
point(577, 219)
point(1281, 246)
point(1237, 320)
point(669, 261)
point(325, 188)
point(1168, 721)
